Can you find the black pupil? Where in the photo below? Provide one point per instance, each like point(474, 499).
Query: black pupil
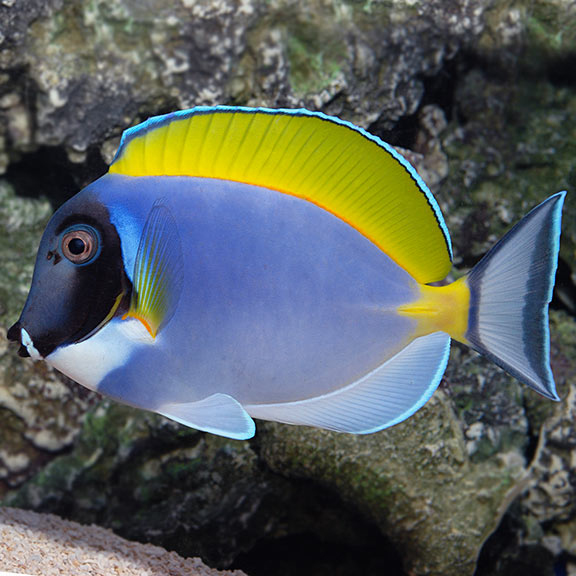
point(77, 246)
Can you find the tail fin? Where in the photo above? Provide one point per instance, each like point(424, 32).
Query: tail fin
point(510, 289)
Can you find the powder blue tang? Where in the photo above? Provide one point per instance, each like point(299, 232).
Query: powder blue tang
point(214, 298)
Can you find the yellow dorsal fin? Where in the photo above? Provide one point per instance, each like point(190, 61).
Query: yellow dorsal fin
point(327, 161)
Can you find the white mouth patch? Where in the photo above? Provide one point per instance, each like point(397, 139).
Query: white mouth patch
point(29, 345)
point(88, 362)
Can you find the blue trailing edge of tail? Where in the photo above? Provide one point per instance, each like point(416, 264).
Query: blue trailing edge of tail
point(510, 289)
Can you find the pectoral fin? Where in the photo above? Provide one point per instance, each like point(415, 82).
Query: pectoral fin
point(219, 414)
point(158, 271)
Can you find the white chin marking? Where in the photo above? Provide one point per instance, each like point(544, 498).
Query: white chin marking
point(90, 361)
point(27, 342)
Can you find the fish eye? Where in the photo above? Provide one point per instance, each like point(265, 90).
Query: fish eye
point(80, 244)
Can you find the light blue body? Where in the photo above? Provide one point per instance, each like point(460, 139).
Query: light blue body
point(250, 303)
point(281, 300)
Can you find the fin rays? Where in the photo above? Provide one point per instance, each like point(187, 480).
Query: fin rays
point(157, 271)
point(219, 414)
point(383, 398)
point(510, 289)
point(327, 161)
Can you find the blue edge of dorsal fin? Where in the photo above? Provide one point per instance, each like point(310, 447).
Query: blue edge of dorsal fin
point(157, 121)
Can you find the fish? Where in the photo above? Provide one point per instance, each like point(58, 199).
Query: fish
point(243, 263)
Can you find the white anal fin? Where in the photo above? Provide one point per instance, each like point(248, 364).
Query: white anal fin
point(218, 414)
point(383, 398)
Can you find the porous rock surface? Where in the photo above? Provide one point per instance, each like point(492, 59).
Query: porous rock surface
point(478, 96)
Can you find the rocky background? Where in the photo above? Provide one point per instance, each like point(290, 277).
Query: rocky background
point(481, 96)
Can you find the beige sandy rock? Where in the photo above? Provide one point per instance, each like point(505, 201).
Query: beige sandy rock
point(46, 545)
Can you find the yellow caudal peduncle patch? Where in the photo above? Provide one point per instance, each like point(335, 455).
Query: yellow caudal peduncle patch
point(326, 161)
point(441, 308)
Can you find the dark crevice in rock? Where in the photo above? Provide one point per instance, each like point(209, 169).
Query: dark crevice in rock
point(533, 438)
point(402, 135)
point(561, 70)
point(484, 87)
point(318, 534)
point(439, 90)
point(507, 552)
point(308, 555)
point(555, 67)
point(564, 289)
point(48, 172)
